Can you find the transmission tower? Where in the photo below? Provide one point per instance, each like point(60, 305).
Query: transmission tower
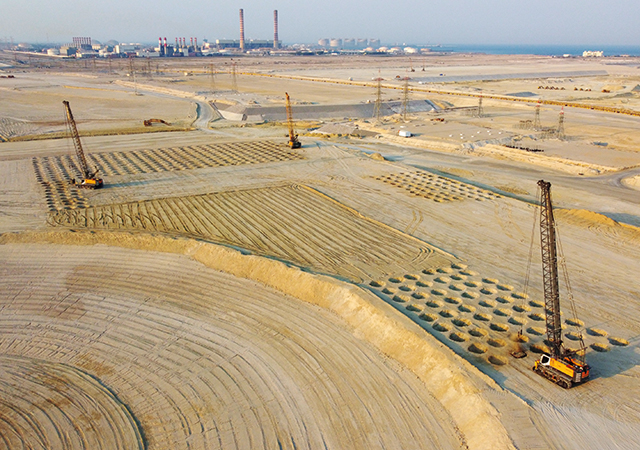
point(405, 98)
point(234, 78)
point(378, 104)
point(560, 132)
point(132, 71)
point(213, 78)
point(480, 112)
point(536, 120)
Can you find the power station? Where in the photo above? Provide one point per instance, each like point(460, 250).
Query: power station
point(181, 48)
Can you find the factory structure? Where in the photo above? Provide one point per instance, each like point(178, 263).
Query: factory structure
point(85, 47)
point(348, 43)
point(246, 45)
point(183, 48)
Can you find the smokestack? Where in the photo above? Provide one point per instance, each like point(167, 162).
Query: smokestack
point(165, 47)
point(160, 49)
point(241, 30)
point(196, 47)
point(191, 42)
point(176, 44)
point(275, 28)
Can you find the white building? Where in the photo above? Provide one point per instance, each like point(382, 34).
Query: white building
point(147, 54)
point(125, 48)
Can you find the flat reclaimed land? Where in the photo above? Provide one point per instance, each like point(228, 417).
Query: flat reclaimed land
point(365, 291)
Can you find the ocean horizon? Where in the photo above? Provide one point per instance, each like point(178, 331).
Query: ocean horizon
point(545, 50)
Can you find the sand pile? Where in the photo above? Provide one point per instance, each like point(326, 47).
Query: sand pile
point(599, 223)
point(632, 182)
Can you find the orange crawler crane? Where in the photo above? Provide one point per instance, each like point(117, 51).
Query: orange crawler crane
point(293, 137)
point(563, 366)
point(89, 180)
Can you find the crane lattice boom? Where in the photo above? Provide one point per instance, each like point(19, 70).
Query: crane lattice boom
point(293, 137)
point(71, 123)
point(89, 180)
point(550, 270)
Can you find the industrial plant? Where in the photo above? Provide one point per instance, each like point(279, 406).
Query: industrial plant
point(180, 46)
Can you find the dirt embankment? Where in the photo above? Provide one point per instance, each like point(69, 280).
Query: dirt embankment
point(632, 182)
point(459, 387)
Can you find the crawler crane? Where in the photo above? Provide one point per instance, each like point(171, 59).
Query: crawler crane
point(563, 366)
point(293, 137)
point(89, 180)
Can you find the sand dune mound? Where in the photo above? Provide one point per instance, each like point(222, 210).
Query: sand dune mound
point(584, 217)
point(600, 224)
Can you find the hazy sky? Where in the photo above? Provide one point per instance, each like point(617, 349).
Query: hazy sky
point(580, 22)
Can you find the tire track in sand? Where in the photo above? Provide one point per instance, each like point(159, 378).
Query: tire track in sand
point(291, 223)
point(204, 360)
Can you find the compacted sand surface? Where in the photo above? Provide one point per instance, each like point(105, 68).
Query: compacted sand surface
point(232, 364)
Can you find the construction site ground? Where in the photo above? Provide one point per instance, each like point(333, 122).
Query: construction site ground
point(225, 291)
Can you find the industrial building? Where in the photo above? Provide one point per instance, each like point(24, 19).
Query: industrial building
point(248, 45)
point(348, 43)
point(181, 48)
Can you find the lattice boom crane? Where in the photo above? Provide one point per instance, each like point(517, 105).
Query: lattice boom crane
point(293, 137)
point(563, 366)
point(89, 180)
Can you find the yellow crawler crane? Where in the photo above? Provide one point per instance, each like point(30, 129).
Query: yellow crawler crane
point(563, 366)
point(89, 180)
point(293, 137)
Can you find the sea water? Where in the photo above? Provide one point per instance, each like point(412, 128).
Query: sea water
point(548, 50)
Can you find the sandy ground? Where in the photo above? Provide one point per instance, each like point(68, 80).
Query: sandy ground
point(252, 372)
point(377, 300)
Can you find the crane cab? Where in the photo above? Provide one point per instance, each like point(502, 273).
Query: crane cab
point(294, 142)
point(565, 372)
point(88, 183)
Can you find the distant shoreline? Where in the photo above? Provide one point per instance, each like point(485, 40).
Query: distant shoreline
point(545, 50)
